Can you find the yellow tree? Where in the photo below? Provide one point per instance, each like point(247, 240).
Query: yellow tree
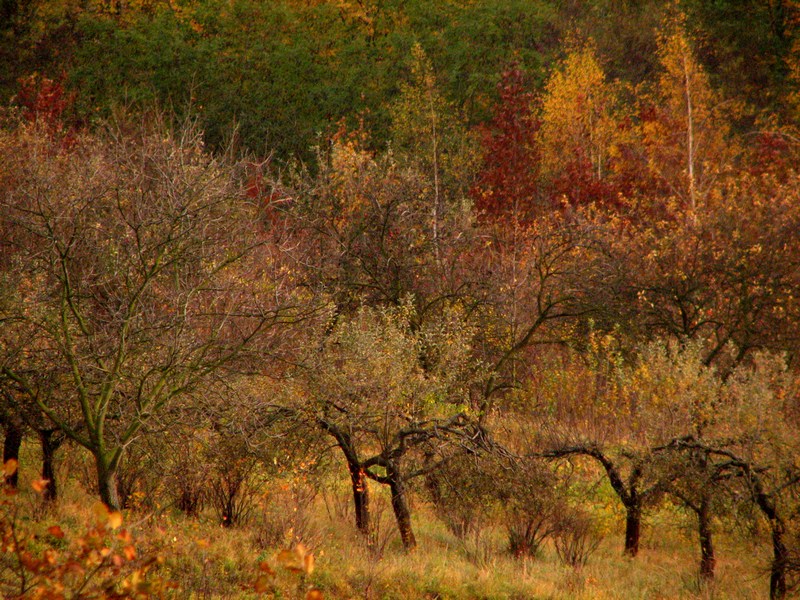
point(684, 134)
point(580, 131)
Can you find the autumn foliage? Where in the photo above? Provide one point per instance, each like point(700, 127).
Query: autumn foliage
point(454, 292)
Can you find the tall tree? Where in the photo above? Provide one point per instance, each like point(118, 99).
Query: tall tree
point(580, 132)
point(508, 185)
point(428, 135)
point(684, 134)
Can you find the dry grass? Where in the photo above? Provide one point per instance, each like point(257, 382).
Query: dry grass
point(205, 560)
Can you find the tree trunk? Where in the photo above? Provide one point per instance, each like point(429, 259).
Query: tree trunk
point(360, 496)
point(707, 559)
point(49, 447)
point(780, 555)
point(633, 528)
point(107, 484)
point(11, 447)
point(401, 511)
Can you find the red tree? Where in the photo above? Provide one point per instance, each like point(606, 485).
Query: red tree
point(508, 183)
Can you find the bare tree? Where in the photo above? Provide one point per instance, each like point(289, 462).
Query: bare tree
point(144, 272)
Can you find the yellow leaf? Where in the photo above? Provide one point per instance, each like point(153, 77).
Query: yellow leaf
point(115, 519)
point(100, 511)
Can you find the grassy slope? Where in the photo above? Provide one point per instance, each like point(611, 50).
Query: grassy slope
point(205, 560)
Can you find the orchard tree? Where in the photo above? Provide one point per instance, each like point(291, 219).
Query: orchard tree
point(729, 279)
point(389, 394)
point(144, 273)
point(598, 413)
point(531, 297)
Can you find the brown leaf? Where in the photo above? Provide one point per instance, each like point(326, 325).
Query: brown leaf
point(286, 558)
point(262, 584)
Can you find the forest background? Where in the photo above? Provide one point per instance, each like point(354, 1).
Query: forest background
point(412, 299)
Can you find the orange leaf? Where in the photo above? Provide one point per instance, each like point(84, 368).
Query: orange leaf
point(56, 532)
point(130, 552)
point(265, 568)
point(301, 550)
point(10, 467)
point(125, 536)
point(308, 563)
point(314, 595)
point(286, 558)
point(38, 485)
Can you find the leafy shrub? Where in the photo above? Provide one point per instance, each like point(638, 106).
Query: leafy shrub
point(101, 562)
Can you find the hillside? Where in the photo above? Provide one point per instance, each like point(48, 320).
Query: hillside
point(377, 299)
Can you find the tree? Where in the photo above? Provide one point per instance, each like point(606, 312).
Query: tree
point(684, 134)
point(508, 183)
point(144, 275)
point(427, 135)
point(367, 388)
point(580, 131)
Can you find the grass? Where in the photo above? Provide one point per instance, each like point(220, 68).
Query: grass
point(205, 560)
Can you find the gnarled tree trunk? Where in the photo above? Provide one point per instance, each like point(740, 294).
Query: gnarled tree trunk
point(358, 479)
point(633, 527)
point(400, 506)
point(107, 483)
point(707, 558)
